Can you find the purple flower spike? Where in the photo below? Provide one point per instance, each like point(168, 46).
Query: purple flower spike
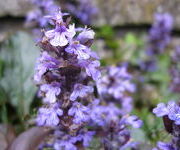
point(80, 91)
point(66, 74)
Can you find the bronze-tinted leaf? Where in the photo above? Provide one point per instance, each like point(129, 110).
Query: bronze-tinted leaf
point(30, 139)
point(10, 133)
point(3, 142)
point(7, 135)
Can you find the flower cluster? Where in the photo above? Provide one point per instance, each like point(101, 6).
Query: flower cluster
point(67, 73)
point(171, 118)
point(114, 89)
point(84, 10)
point(158, 39)
point(112, 126)
point(115, 85)
point(159, 35)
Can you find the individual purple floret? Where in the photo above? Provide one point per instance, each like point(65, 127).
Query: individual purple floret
point(159, 35)
point(161, 110)
point(61, 35)
point(80, 91)
point(80, 50)
point(84, 10)
point(172, 110)
point(49, 116)
point(79, 112)
point(51, 91)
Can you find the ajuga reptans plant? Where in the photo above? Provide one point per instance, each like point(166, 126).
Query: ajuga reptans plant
point(68, 74)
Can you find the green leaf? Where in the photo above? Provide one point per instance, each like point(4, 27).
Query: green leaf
point(131, 38)
point(106, 32)
point(18, 56)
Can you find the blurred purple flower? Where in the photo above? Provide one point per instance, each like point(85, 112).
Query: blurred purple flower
point(85, 11)
point(42, 8)
point(115, 85)
point(159, 35)
point(175, 71)
point(134, 121)
point(148, 65)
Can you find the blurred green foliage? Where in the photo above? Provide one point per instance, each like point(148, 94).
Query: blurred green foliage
point(17, 60)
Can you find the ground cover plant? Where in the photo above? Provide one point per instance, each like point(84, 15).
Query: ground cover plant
point(61, 89)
